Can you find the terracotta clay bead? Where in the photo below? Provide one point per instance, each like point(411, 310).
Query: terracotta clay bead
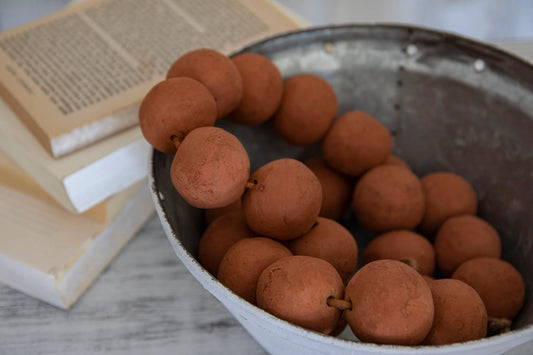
point(447, 195)
point(243, 263)
point(284, 201)
point(216, 71)
point(460, 314)
point(213, 213)
point(391, 304)
point(497, 282)
point(297, 289)
point(341, 325)
point(356, 143)
point(394, 160)
point(262, 89)
point(402, 245)
point(336, 189)
point(464, 237)
point(428, 278)
point(330, 241)
point(388, 197)
point(173, 108)
point(211, 168)
point(219, 236)
point(307, 110)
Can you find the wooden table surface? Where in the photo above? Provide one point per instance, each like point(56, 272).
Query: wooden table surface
point(146, 302)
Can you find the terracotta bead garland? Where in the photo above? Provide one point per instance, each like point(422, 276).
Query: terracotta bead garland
point(330, 241)
point(397, 161)
point(403, 245)
point(213, 213)
point(284, 199)
point(446, 195)
point(307, 110)
point(391, 304)
point(297, 289)
point(216, 71)
point(460, 314)
point(336, 188)
point(272, 238)
point(497, 282)
point(462, 238)
point(356, 143)
point(211, 168)
point(428, 278)
point(244, 262)
point(173, 108)
point(262, 89)
point(388, 197)
point(219, 236)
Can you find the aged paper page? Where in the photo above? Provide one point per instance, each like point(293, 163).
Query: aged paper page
point(69, 75)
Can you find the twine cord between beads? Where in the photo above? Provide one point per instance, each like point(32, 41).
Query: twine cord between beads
point(498, 325)
point(176, 140)
point(251, 184)
point(339, 303)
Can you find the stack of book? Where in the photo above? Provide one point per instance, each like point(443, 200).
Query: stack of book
point(73, 162)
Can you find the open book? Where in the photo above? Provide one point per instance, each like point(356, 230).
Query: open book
point(77, 76)
point(54, 255)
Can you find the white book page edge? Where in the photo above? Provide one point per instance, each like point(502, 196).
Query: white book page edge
point(63, 287)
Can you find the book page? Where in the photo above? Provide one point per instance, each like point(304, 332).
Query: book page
point(67, 74)
point(39, 234)
point(15, 178)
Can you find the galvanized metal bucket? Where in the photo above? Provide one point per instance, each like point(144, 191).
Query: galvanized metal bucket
point(450, 103)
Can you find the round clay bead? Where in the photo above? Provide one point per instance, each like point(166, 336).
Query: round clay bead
point(391, 304)
point(356, 143)
point(219, 236)
point(330, 241)
point(210, 168)
point(174, 107)
point(216, 71)
point(388, 197)
point(402, 245)
point(428, 278)
point(243, 263)
point(460, 314)
point(213, 213)
point(498, 283)
point(307, 110)
point(336, 189)
point(341, 325)
point(447, 195)
point(464, 237)
point(394, 160)
point(262, 89)
point(297, 288)
point(285, 201)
